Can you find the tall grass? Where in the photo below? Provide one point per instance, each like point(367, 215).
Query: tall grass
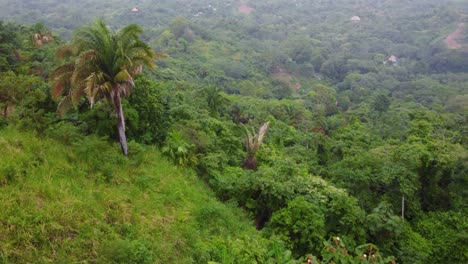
point(66, 198)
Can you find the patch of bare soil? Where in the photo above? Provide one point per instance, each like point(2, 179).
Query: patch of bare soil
point(280, 73)
point(244, 8)
point(452, 40)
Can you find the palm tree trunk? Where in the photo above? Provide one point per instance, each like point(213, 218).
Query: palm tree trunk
point(250, 163)
point(120, 123)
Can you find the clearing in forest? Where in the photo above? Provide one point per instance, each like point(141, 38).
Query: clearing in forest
point(452, 40)
point(280, 73)
point(244, 8)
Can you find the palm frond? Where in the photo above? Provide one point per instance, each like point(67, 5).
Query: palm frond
point(254, 141)
point(249, 139)
point(63, 69)
point(123, 76)
point(65, 52)
point(124, 89)
point(93, 87)
point(57, 90)
point(61, 80)
point(107, 87)
point(76, 95)
point(90, 37)
point(262, 132)
point(64, 106)
point(130, 31)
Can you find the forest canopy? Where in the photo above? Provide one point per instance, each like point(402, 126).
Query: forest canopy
point(337, 129)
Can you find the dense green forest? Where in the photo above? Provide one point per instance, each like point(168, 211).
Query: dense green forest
point(265, 131)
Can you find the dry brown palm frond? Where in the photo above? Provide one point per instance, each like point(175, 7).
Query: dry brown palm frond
point(76, 95)
point(65, 52)
point(64, 105)
point(93, 86)
point(249, 141)
point(65, 68)
point(57, 89)
point(254, 141)
point(61, 81)
point(61, 85)
point(262, 132)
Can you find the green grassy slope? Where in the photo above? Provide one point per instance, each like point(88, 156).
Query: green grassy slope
point(77, 200)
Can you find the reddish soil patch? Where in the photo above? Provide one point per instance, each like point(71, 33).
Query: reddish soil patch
point(451, 41)
point(280, 73)
point(244, 8)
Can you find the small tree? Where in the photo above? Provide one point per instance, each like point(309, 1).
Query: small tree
point(13, 89)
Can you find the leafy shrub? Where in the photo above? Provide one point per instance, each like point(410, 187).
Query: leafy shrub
point(179, 150)
point(335, 251)
point(301, 224)
point(384, 227)
point(414, 248)
point(279, 254)
point(447, 233)
point(145, 111)
point(64, 132)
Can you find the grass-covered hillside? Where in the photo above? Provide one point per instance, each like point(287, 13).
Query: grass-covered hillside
point(78, 200)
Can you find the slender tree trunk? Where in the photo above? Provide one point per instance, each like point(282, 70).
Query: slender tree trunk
point(120, 123)
point(5, 111)
point(250, 163)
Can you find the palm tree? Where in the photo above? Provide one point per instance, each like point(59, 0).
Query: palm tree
point(215, 99)
point(99, 63)
point(252, 144)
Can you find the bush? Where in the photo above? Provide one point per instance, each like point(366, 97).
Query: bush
point(64, 132)
point(414, 248)
point(447, 233)
point(180, 150)
point(301, 224)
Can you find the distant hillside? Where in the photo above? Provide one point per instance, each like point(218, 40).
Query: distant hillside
point(456, 39)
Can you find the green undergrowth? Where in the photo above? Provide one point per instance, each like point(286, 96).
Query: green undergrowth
point(76, 199)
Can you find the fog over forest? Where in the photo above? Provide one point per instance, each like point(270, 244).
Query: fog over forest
point(234, 131)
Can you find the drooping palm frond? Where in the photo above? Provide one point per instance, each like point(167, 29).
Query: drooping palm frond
point(65, 52)
point(61, 79)
point(94, 86)
point(123, 76)
point(95, 36)
point(85, 65)
point(64, 106)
